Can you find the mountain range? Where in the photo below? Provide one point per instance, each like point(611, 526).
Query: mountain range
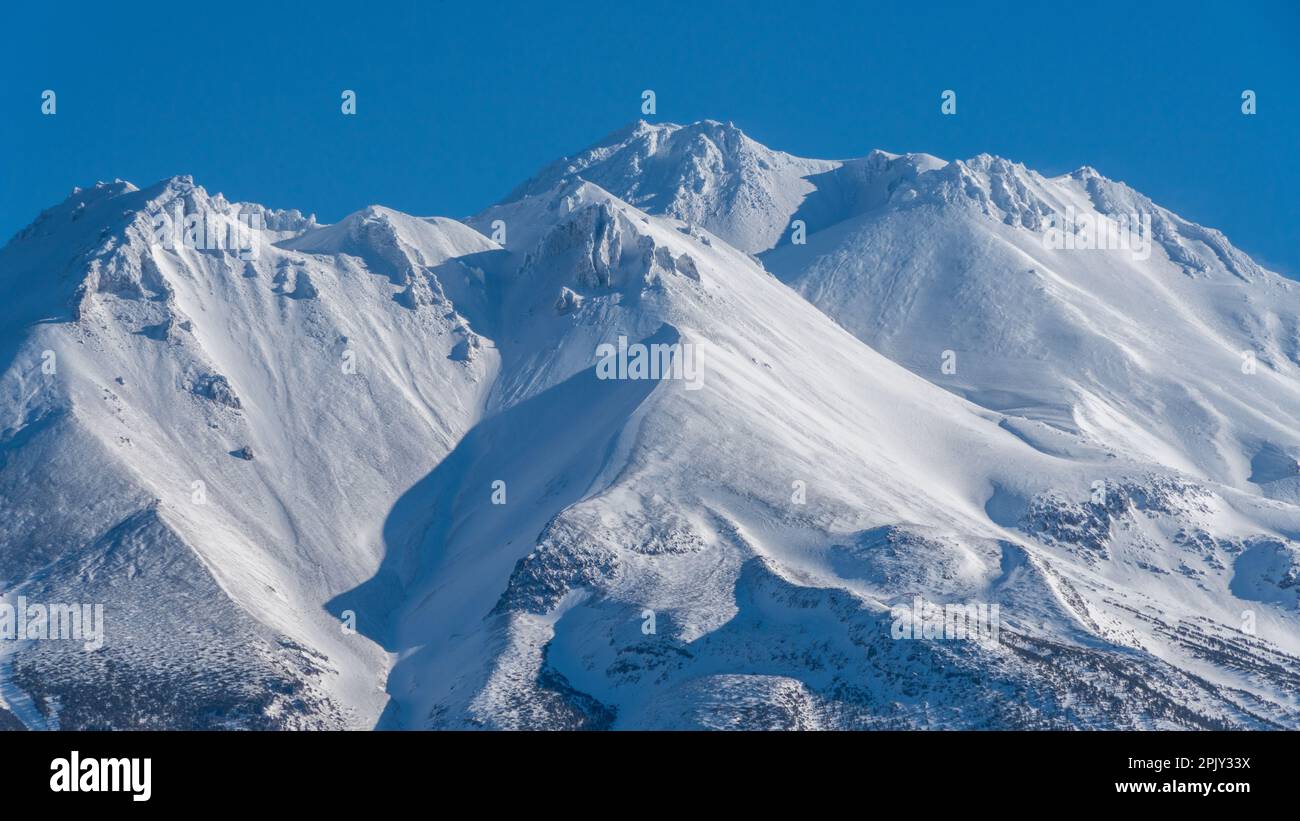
point(375, 473)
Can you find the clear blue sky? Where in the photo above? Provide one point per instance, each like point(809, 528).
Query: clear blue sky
point(459, 102)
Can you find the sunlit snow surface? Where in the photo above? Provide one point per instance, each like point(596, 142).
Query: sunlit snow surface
point(350, 399)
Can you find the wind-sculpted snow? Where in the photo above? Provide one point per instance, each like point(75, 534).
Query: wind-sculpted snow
point(402, 472)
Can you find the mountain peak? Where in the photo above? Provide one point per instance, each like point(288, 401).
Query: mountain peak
point(706, 173)
point(643, 126)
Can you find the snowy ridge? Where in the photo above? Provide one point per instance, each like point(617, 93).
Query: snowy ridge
point(1146, 355)
point(170, 364)
point(398, 421)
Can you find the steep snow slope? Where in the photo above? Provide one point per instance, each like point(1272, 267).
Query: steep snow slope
point(768, 521)
point(208, 445)
point(1182, 351)
point(933, 263)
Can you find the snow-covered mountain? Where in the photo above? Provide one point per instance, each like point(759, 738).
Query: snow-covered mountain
point(1141, 348)
point(402, 424)
point(217, 447)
